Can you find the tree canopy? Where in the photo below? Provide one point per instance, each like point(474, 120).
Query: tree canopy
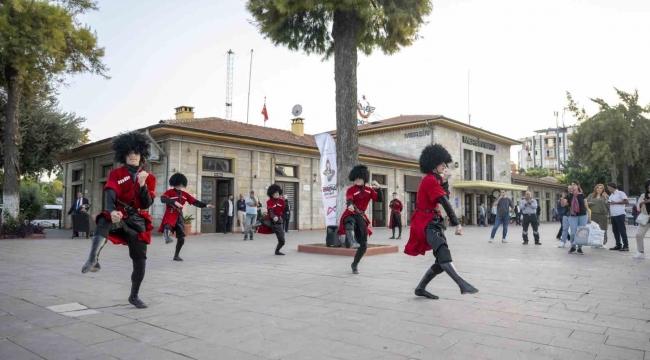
point(46, 131)
point(42, 42)
point(537, 172)
point(613, 138)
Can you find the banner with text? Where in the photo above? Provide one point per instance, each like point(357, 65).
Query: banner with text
point(327, 148)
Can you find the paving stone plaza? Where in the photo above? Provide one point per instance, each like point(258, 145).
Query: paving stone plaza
point(232, 299)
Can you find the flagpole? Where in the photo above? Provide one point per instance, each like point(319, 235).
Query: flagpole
point(250, 74)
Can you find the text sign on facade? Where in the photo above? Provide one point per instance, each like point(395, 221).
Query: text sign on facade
point(479, 143)
point(415, 134)
point(218, 174)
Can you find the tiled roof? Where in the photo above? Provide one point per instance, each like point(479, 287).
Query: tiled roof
point(239, 129)
point(402, 119)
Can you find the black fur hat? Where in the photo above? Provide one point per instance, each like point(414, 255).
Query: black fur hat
point(432, 156)
point(359, 172)
point(134, 141)
point(178, 179)
point(275, 188)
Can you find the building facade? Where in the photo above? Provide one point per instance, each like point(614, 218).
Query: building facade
point(481, 159)
point(221, 157)
point(548, 148)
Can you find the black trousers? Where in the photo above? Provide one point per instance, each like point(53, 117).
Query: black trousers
point(435, 233)
point(397, 220)
point(226, 223)
point(518, 218)
point(619, 230)
point(358, 225)
point(530, 219)
point(179, 230)
point(137, 248)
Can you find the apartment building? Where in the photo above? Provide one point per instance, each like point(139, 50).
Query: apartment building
point(548, 148)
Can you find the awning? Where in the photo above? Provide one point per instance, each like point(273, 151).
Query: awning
point(487, 185)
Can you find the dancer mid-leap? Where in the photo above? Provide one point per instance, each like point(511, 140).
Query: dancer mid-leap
point(427, 223)
point(128, 193)
point(272, 222)
point(172, 222)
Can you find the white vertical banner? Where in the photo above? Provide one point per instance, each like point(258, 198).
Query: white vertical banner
point(327, 148)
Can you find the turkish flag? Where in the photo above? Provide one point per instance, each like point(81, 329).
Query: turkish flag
point(265, 113)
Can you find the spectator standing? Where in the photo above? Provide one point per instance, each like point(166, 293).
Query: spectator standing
point(538, 211)
point(503, 205)
point(597, 202)
point(643, 206)
point(578, 206)
point(251, 214)
point(228, 213)
point(482, 210)
point(241, 213)
point(286, 216)
point(564, 212)
point(617, 202)
point(529, 207)
point(517, 210)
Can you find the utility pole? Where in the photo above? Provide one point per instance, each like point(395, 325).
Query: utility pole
point(250, 74)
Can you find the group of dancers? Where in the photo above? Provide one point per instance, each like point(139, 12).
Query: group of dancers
point(129, 192)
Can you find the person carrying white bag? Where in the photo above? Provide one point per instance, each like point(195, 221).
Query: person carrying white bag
point(643, 205)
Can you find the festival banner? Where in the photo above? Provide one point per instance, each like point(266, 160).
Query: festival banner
point(327, 148)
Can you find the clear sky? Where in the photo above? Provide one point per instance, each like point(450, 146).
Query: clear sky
point(522, 56)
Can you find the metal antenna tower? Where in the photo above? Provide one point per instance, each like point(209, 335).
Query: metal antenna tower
point(231, 57)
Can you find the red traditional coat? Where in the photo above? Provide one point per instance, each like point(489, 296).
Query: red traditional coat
point(128, 192)
point(426, 208)
point(395, 207)
point(278, 210)
point(171, 214)
point(360, 198)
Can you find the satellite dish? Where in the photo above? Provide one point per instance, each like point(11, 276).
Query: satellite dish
point(297, 110)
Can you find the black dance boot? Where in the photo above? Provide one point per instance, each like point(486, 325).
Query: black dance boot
point(168, 239)
point(354, 268)
point(350, 237)
point(93, 259)
point(392, 237)
point(400, 234)
point(133, 298)
point(277, 248)
point(465, 287)
point(434, 270)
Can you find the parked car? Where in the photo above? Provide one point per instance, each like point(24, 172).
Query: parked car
point(50, 216)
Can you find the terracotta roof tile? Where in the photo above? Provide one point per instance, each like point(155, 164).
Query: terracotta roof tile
point(240, 129)
point(398, 120)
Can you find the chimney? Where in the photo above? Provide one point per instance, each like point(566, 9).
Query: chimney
point(298, 126)
point(184, 112)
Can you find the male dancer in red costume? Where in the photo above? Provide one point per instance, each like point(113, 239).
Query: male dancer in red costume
point(172, 221)
point(354, 222)
point(272, 222)
point(427, 223)
point(128, 193)
point(396, 208)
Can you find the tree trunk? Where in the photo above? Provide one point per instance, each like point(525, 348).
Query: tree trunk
point(11, 194)
point(614, 171)
point(626, 179)
point(344, 32)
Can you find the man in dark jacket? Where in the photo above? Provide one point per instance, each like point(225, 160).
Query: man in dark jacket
point(80, 204)
point(287, 213)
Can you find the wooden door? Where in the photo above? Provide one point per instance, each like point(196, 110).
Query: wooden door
point(379, 208)
point(220, 204)
point(208, 219)
point(410, 206)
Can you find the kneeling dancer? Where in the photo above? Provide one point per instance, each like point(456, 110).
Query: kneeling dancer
point(172, 222)
point(354, 223)
point(427, 223)
point(272, 222)
point(128, 192)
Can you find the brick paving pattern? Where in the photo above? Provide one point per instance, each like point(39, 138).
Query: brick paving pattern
point(235, 300)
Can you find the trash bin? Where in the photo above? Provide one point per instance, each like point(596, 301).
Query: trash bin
point(333, 236)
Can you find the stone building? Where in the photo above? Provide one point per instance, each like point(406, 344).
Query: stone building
point(221, 157)
point(481, 159)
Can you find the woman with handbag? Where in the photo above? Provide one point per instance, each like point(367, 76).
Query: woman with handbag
point(644, 225)
point(599, 209)
point(578, 206)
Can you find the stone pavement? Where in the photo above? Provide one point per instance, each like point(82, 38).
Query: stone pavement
point(235, 300)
